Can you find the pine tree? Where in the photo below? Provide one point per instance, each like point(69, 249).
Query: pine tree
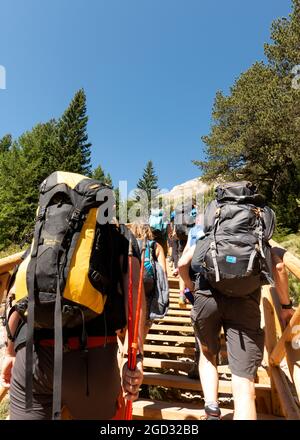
point(149, 180)
point(5, 143)
point(256, 130)
point(99, 174)
point(52, 146)
point(73, 146)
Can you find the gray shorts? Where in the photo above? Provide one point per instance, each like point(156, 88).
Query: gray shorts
point(103, 384)
point(240, 319)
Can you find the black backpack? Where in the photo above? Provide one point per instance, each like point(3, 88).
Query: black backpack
point(234, 254)
point(70, 271)
point(184, 220)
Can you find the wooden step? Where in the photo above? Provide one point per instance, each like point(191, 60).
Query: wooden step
point(170, 338)
point(187, 351)
point(160, 410)
point(179, 312)
point(174, 305)
point(186, 364)
point(185, 383)
point(174, 283)
point(172, 328)
point(175, 320)
point(168, 364)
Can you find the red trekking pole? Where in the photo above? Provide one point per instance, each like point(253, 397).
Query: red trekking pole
point(133, 336)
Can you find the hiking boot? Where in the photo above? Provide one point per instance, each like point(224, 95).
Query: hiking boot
point(194, 371)
point(212, 412)
point(182, 300)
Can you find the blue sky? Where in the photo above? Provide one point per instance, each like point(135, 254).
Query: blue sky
point(150, 69)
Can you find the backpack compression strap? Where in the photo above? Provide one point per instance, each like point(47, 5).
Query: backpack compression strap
point(213, 245)
point(30, 319)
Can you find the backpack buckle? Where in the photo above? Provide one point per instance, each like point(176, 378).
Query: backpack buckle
point(95, 276)
point(75, 218)
point(76, 215)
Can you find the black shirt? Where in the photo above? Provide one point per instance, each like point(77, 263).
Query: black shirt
point(113, 316)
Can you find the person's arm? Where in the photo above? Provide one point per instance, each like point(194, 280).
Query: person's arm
point(160, 255)
point(132, 380)
point(184, 267)
point(282, 288)
point(9, 354)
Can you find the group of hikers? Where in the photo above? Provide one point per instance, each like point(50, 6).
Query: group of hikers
point(81, 302)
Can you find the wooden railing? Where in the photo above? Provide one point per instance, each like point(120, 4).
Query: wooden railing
point(284, 349)
point(283, 346)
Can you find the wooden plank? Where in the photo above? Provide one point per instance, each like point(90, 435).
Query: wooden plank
point(293, 361)
point(173, 291)
point(185, 365)
point(158, 410)
point(8, 263)
point(270, 342)
point(185, 383)
point(278, 351)
point(175, 320)
point(174, 284)
point(168, 364)
point(170, 338)
point(4, 280)
point(172, 328)
point(172, 312)
point(188, 351)
point(289, 407)
point(291, 262)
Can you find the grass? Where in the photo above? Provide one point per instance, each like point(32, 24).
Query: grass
point(291, 243)
point(4, 408)
point(10, 250)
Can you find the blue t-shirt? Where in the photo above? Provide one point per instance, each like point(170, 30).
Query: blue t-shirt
point(195, 233)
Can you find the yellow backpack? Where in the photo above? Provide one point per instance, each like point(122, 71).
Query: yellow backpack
point(66, 277)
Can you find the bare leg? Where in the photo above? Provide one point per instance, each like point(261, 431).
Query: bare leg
point(243, 391)
point(208, 374)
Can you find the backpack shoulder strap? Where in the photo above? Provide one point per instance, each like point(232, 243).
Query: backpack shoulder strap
point(152, 247)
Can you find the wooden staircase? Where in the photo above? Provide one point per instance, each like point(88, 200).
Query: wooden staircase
point(169, 353)
point(169, 394)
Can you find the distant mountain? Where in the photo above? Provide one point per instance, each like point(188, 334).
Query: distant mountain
point(191, 188)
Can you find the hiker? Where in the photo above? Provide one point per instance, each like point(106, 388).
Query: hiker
point(95, 375)
point(89, 394)
point(237, 227)
point(159, 227)
point(184, 220)
point(185, 295)
point(195, 233)
point(155, 275)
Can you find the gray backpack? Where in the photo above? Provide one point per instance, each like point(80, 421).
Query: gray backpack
point(234, 254)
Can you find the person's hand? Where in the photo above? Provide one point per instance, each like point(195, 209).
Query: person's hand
point(285, 316)
point(7, 365)
point(189, 285)
point(132, 380)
